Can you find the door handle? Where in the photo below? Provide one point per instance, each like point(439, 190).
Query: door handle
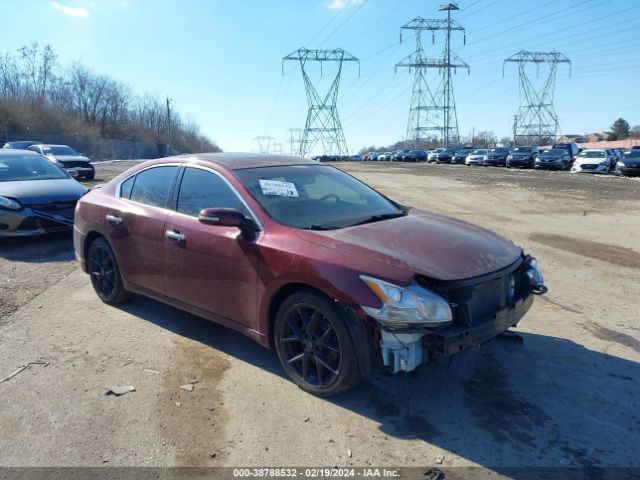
point(175, 236)
point(113, 219)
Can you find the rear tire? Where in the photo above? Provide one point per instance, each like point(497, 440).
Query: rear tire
point(314, 345)
point(105, 273)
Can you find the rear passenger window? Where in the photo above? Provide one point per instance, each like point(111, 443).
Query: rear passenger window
point(125, 188)
point(201, 189)
point(153, 186)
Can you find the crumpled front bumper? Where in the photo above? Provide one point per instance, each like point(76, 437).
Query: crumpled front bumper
point(458, 338)
point(30, 222)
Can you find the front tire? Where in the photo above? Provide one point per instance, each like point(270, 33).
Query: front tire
point(105, 273)
point(314, 345)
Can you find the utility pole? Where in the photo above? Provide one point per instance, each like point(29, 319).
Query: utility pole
point(323, 124)
point(169, 100)
point(536, 121)
point(432, 116)
point(515, 129)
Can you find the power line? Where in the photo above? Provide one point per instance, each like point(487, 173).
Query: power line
point(356, 10)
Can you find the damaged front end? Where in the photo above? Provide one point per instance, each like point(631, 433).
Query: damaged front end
point(431, 320)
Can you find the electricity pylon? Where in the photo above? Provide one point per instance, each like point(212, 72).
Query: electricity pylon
point(536, 121)
point(323, 124)
point(295, 141)
point(263, 143)
point(432, 116)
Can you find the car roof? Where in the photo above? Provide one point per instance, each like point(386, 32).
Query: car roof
point(9, 152)
point(53, 145)
point(238, 161)
point(593, 150)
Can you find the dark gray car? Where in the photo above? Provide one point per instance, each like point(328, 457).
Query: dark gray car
point(523, 156)
point(67, 158)
point(553, 159)
point(36, 196)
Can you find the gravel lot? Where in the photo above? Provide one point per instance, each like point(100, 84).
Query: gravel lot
point(567, 396)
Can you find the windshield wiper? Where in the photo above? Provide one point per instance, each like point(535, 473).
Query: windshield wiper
point(379, 218)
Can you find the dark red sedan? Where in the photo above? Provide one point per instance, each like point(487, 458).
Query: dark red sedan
point(302, 257)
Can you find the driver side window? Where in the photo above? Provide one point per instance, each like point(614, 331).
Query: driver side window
point(201, 189)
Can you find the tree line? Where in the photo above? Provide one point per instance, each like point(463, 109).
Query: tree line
point(39, 95)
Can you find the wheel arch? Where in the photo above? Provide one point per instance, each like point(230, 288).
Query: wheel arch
point(88, 240)
point(279, 296)
point(361, 331)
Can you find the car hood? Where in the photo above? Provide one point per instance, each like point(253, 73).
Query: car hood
point(589, 161)
point(72, 158)
point(425, 243)
point(43, 191)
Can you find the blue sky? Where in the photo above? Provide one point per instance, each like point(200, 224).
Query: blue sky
point(220, 60)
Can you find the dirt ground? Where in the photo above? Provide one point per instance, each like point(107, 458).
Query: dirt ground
point(567, 396)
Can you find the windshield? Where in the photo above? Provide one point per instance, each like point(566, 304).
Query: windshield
point(59, 150)
point(315, 197)
point(554, 152)
point(561, 147)
point(464, 150)
point(480, 151)
point(28, 167)
point(499, 150)
point(522, 150)
point(593, 154)
point(438, 150)
point(632, 154)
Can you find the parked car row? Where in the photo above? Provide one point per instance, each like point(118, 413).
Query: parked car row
point(561, 156)
point(74, 163)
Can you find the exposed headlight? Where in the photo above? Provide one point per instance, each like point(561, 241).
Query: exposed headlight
point(621, 163)
point(536, 280)
point(509, 157)
point(407, 306)
point(9, 204)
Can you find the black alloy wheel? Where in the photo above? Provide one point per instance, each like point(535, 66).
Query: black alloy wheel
point(314, 345)
point(105, 274)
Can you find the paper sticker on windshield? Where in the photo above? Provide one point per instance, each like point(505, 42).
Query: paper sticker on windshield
point(281, 189)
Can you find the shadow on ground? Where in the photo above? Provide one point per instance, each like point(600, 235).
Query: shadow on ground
point(545, 402)
point(49, 248)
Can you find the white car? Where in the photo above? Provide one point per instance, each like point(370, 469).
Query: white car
point(475, 157)
point(593, 160)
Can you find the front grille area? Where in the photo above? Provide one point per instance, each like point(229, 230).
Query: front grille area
point(64, 209)
point(75, 164)
point(588, 166)
point(476, 303)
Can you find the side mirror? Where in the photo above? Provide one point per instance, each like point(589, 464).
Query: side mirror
point(227, 217)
